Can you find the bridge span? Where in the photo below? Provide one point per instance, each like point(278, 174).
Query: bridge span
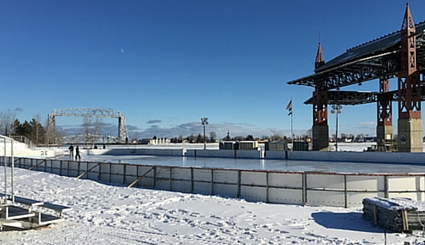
point(91, 113)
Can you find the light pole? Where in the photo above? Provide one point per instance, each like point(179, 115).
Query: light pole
point(204, 122)
point(336, 109)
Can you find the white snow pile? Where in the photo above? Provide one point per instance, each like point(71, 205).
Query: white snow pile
point(106, 214)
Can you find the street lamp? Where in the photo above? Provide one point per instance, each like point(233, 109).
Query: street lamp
point(204, 122)
point(336, 109)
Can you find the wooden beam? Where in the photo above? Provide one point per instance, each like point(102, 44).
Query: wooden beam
point(141, 177)
point(85, 172)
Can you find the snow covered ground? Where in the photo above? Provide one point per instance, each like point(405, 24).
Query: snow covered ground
point(105, 214)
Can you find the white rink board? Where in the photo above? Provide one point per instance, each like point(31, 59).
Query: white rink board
point(73, 166)
point(286, 180)
point(365, 183)
point(327, 198)
point(181, 174)
point(311, 188)
point(117, 168)
point(203, 188)
point(142, 170)
point(225, 190)
point(56, 164)
point(116, 178)
point(288, 196)
point(356, 198)
point(252, 193)
point(225, 176)
point(254, 178)
point(163, 173)
point(325, 181)
point(163, 184)
point(413, 196)
point(202, 174)
point(131, 169)
point(183, 186)
point(83, 166)
point(406, 183)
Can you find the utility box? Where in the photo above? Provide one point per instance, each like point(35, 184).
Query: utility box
point(300, 146)
point(228, 145)
point(248, 145)
point(277, 146)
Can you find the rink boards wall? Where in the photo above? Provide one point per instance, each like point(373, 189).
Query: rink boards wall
point(371, 157)
point(271, 186)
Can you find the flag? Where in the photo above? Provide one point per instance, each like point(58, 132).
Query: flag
point(289, 107)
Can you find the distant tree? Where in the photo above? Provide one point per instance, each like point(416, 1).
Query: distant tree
point(136, 137)
point(265, 137)
point(200, 138)
point(249, 138)
point(15, 126)
point(227, 138)
point(275, 135)
point(23, 129)
point(310, 133)
point(37, 131)
point(50, 132)
point(191, 138)
point(97, 128)
point(86, 129)
point(213, 136)
point(27, 129)
point(59, 136)
point(239, 138)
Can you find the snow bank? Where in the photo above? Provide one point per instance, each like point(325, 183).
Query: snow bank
point(105, 214)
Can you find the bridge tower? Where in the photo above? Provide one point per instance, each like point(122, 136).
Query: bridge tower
point(320, 110)
point(409, 96)
point(384, 129)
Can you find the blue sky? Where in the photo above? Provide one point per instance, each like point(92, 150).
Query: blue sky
point(165, 64)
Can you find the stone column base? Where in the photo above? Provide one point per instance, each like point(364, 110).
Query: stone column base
point(410, 135)
point(320, 137)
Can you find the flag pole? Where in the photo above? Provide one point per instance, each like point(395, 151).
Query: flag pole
point(289, 108)
point(292, 126)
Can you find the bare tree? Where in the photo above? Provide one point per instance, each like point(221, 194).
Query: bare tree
point(86, 129)
point(7, 118)
point(50, 132)
point(36, 128)
point(276, 135)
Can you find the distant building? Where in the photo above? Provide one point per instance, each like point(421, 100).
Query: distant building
point(156, 141)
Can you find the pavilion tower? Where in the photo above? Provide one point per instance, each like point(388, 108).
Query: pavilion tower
point(409, 96)
point(320, 110)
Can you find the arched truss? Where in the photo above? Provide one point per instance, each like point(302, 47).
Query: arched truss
point(93, 113)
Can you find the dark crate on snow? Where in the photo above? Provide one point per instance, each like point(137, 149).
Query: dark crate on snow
point(396, 214)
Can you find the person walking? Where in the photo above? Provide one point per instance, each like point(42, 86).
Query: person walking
point(77, 153)
point(71, 151)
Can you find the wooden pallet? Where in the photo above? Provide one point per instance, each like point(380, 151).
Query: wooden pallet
point(396, 214)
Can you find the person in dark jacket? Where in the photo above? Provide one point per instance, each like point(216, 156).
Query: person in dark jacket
point(71, 151)
point(77, 153)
